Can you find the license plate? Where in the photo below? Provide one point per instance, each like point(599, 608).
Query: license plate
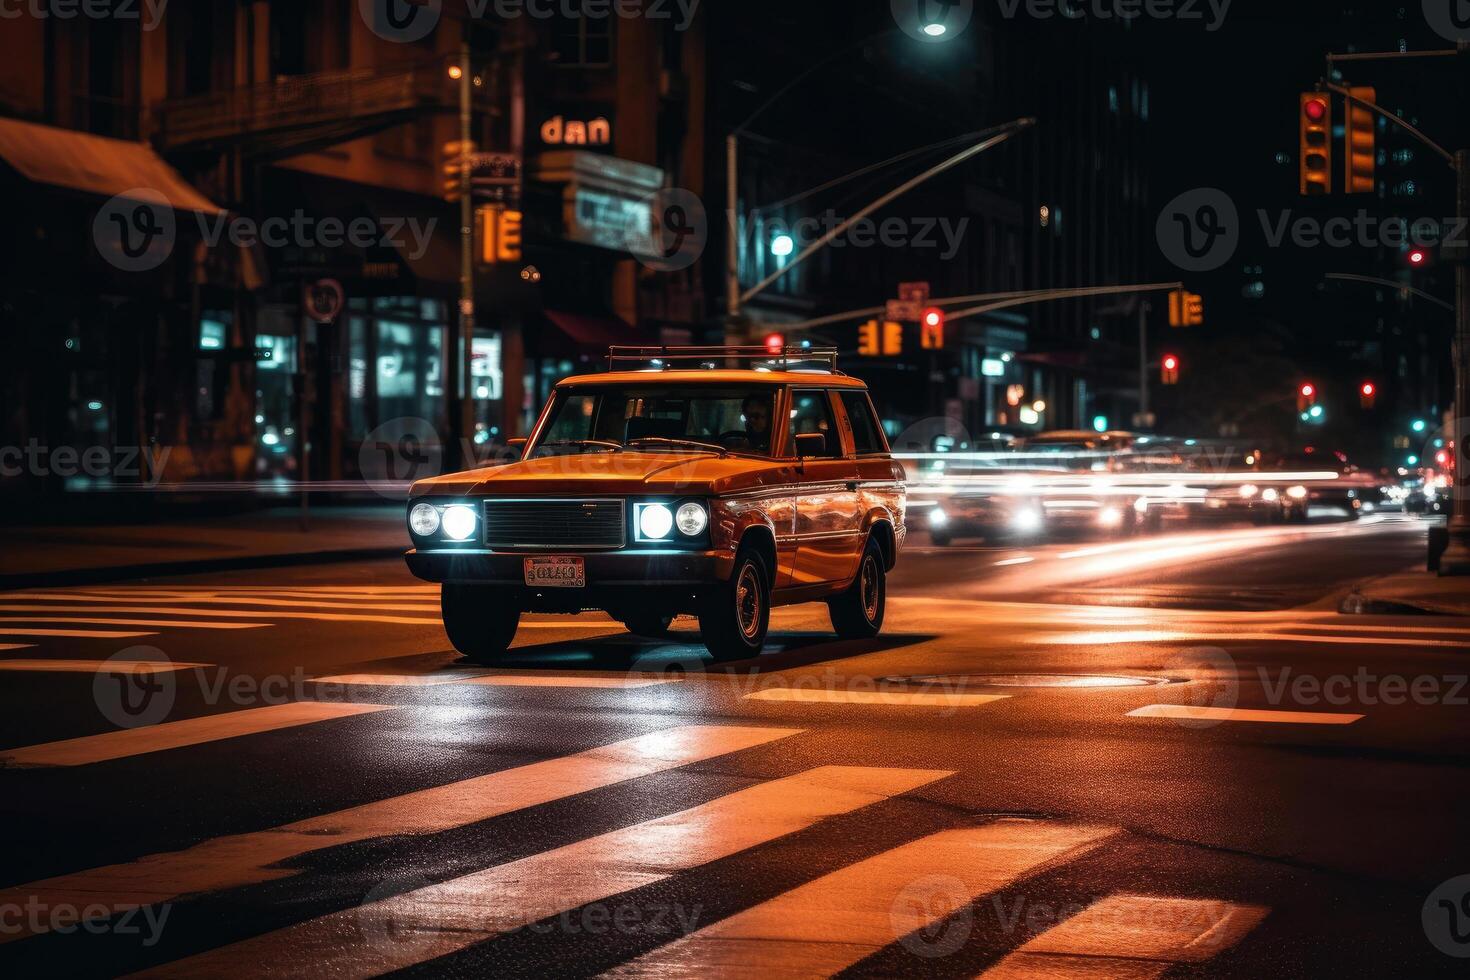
point(556, 573)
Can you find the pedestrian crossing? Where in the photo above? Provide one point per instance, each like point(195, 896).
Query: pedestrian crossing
point(829, 922)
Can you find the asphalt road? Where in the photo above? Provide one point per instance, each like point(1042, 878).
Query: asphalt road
point(308, 782)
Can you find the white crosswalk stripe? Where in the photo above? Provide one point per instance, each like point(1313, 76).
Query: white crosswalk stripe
point(128, 742)
point(243, 859)
point(1130, 937)
point(456, 914)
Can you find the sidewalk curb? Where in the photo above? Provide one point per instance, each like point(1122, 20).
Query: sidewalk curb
point(121, 573)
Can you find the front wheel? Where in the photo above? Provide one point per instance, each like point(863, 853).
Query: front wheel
point(480, 623)
point(857, 613)
point(735, 618)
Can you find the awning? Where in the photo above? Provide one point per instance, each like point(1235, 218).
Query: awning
point(95, 164)
point(595, 332)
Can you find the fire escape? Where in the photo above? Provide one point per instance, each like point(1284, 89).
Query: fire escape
point(301, 114)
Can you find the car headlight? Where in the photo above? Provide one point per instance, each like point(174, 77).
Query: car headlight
point(459, 522)
point(938, 518)
point(1249, 490)
point(1026, 520)
point(655, 521)
point(423, 519)
point(1297, 493)
point(1110, 517)
point(691, 519)
point(1270, 495)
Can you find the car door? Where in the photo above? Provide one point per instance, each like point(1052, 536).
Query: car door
point(879, 489)
point(828, 525)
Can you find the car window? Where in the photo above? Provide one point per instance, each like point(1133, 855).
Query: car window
point(865, 437)
point(659, 418)
point(811, 412)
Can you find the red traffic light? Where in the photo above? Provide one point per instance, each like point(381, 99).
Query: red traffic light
point(933, 317)
point(1308, 391)
point(1171, 363)
point(1316, 109)
point(1368, 388)
point(1418, 256)
point(775, 342)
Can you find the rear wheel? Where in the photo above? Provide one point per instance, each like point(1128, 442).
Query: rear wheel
point(857, 613)
point(735, 618)
point(480, 623)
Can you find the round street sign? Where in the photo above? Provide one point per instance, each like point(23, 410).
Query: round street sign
point(324, 299)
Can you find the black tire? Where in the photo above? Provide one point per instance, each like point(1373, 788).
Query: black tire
point(649, 624)
point(734, 620)
point(941, 539)
point(480, 623)
point(857, 612)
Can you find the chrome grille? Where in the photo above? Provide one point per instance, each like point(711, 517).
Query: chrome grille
point(554, 523)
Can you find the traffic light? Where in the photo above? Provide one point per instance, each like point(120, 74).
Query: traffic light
point(1306, 397)
point(1360, 144)
point(775, 343)
point(869, 342)
point(1368, 394)
point(1169, 369)
point(892, 338)
point(931, 329)
point(1417, 257)
point(1186, 309)
point(1316, 143)
point(456, 157)
point(500, 235)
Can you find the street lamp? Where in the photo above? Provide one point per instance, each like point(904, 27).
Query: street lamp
point(935, 29)
point(782, 246)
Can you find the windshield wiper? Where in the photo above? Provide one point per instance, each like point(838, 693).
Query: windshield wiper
point(661, 440)
point(599, 443)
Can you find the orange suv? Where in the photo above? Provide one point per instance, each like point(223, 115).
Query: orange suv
point(715, 481)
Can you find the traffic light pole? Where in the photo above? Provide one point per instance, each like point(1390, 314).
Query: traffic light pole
point(1456, 558)
point(1143, 414)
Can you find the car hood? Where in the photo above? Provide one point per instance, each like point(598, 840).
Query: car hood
point(666, 473)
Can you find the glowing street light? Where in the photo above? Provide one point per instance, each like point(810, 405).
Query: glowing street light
point(935, 29)
point(782, 246)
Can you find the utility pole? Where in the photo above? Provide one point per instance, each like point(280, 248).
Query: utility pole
point(458, 355)
point(1456, 559)
point(732, 226)
point(1144, 307)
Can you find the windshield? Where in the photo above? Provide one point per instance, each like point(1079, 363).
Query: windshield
point(659, 418)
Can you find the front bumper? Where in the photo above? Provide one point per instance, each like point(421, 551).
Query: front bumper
point(610, 570)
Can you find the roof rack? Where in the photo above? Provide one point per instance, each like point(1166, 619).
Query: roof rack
point(771, 358)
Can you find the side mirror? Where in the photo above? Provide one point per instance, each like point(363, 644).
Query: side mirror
point(811, 444)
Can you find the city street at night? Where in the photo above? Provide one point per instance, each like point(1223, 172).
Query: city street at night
point(735, 489)
point(993, 783)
